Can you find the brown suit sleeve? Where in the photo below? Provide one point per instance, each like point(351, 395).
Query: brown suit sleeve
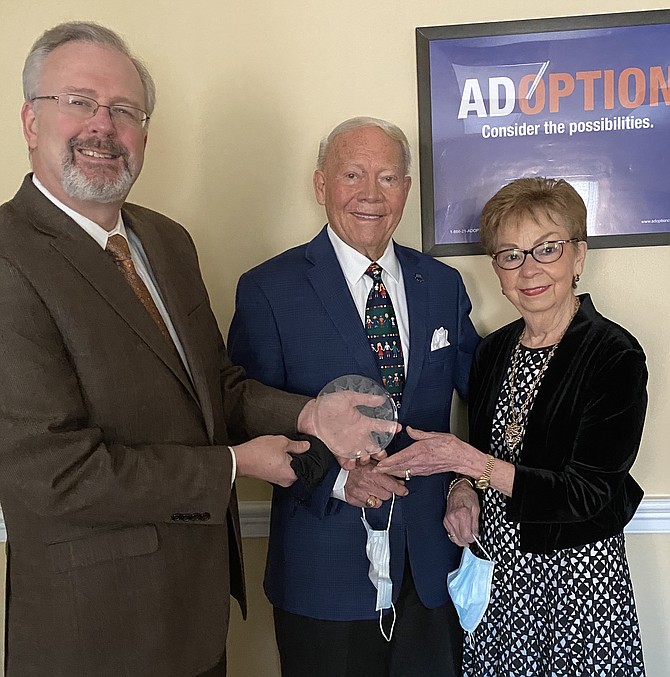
point(144, 467)
point(249, 408)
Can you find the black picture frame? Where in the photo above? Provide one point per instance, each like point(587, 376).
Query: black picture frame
point(457, 175)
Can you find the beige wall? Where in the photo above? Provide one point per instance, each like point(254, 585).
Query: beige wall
point(246, 89)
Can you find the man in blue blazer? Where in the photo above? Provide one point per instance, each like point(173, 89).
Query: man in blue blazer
point(299, 323)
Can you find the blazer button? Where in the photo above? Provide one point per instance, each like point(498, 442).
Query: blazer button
point(177, 517)
point(205, 516)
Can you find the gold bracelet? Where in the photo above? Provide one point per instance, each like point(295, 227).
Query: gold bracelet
point(456, 481)
point(485, 480)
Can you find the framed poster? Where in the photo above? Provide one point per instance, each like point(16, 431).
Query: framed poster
point(582, 98)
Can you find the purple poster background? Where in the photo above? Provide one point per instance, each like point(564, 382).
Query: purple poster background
point(591, 106)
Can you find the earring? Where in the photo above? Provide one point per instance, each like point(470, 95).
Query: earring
point(575, 280)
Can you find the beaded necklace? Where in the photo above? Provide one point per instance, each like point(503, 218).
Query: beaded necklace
point(516, 424)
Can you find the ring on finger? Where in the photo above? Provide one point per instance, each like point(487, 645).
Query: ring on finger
point(371, 502)
point(408, 475)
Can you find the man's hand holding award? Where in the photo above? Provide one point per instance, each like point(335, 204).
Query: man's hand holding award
point(356, 419)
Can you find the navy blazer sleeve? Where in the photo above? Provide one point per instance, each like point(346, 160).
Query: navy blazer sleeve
point(254, 342)
point(254, 339)
point(468, 340)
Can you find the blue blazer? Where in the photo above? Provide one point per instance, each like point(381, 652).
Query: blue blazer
point(296, 328)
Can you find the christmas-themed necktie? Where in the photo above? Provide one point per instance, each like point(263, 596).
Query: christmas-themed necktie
point(382, 329)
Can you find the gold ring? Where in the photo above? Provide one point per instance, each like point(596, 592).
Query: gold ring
point(371, 502)
point(408, 475)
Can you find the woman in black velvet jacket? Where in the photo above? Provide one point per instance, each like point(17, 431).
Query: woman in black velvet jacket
point(557, 406)
point(571, 483)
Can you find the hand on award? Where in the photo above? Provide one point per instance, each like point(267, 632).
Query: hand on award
point(368, 489)
point(443, 452)
point(347, 423)
point(431, 453)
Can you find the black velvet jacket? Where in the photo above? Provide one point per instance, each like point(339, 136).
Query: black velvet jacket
point(572, 484)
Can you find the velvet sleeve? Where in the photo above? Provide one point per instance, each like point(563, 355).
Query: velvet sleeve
point(602, 450)
point(468, 340)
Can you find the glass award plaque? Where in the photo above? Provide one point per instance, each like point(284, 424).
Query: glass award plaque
point(355, 417)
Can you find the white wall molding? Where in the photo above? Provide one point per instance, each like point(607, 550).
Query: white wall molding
point(652, 517)
point(255, 519)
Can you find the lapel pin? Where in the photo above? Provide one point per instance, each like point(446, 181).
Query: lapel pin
point(418, 277)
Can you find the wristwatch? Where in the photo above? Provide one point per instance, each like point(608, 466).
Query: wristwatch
point(485, 480)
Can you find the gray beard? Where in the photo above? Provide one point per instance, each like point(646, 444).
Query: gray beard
point(100, 189)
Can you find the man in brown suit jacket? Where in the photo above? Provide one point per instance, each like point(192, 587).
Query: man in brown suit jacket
point(115, 475)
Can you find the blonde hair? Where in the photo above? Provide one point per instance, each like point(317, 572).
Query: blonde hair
point(534, 198)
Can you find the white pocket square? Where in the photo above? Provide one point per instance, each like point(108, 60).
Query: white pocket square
point(439, 339)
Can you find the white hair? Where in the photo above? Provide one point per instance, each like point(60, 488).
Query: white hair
point(391, 130)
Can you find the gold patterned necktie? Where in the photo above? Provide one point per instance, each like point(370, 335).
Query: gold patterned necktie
point(117, 248)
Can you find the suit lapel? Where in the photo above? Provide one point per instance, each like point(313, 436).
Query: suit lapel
point(330, 285)
point(101, 273)
point(97, 268)
point(165, 270)
point(416, 292)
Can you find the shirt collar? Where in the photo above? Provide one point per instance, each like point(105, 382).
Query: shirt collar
point(98, 233)
point(354, 264)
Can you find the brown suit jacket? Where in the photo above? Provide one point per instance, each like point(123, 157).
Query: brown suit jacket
point(123, 530)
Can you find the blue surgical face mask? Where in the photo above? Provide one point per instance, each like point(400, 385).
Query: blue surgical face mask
point(378, 550)
point(470, 588)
